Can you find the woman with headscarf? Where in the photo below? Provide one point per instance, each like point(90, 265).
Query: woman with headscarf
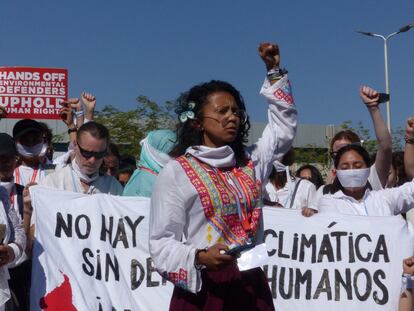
point(154, 155)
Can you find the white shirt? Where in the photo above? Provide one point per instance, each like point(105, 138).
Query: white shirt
point(18, 244)
point(177, 213)
point(66, 179)
point(25, 174)
point(303, 197)
point(62, 160)
point(386, 202)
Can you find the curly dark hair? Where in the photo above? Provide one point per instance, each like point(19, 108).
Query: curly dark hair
point(188, 136)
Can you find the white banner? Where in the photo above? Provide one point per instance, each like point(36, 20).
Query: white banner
point(334, 261)
point(91, 253)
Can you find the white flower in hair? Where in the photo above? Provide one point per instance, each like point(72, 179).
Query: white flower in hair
point(187, 114)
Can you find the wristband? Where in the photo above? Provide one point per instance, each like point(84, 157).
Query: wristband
point(409, 140)
point(405, 281)
point(72, 130)
point(78, 113)
point(197, 252)
point(273, 71)
point(276, 73)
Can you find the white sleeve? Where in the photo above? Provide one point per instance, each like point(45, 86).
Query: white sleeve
point(374, 179)
point(172, 257)
point(310, 194)
point(400, 199)
point(314, 203)
point(280, 131)
point(19, 243)
point(62, 160)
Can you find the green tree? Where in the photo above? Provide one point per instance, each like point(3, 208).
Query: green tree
point(364, 134)
point(371, 143)
point(128, 128)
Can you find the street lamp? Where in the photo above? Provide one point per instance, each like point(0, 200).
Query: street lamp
point(387, 81)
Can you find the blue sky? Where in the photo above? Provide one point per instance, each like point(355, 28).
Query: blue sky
point(121, 49)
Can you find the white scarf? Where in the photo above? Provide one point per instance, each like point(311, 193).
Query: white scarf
point(216, 157)
point(87, 179)
point(38, 150)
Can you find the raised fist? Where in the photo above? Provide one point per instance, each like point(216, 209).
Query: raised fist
point(73, 103)
point(88, 100)
point(369, 96)
point(408, 266)
point(409, 128)
point(269, 52)
point(66, 114)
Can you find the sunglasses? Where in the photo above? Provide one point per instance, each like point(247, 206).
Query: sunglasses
point(89, 154)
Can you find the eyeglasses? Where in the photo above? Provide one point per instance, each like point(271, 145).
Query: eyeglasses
point(89, 154)
point(223, 117)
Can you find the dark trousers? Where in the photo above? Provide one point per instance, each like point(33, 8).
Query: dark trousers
point(19, 283)
point(227, 289)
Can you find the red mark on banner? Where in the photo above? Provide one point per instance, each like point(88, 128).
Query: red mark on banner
point(59, 298)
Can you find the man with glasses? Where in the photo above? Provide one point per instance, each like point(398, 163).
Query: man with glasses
point(82, 174)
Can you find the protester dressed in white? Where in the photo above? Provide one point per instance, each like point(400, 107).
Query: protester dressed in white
point(19, 269)
point(351, 193)
point(379, 170)
point(12, 243)
point(32, 149)
point(284, 190)
point(73, 178)
point(82, 174)
point(210, 193)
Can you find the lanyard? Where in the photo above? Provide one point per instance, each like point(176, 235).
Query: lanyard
point(75, 184)
point(237, 187)
point(12, 194)
point(289, 196)
point(19, 179)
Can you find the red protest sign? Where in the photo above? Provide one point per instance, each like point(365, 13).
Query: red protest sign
point(35, 93)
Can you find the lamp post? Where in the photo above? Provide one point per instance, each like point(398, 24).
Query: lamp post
point(387, 80)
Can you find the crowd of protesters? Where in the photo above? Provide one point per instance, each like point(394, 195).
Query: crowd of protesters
point(209, 143)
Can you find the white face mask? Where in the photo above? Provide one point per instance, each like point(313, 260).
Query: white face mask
point(353, 178)
point(8, 185)
point(38, 150)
